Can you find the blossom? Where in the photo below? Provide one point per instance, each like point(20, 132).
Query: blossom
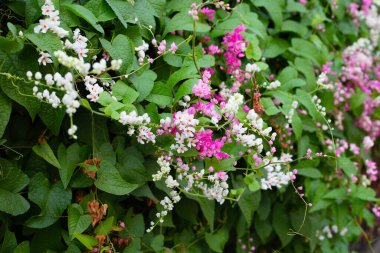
point(44, 59)
point(173, 48)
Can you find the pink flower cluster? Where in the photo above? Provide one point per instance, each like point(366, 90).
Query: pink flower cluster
point(371, 171)
point(208, 147)
point(203, 89)
point(208, 12)
point(235, 46)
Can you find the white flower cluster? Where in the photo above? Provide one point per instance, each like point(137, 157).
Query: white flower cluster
point(256, 122)
point(141, 51)
point(233, 104)
point(276, 177)
point(248, 140)
point(94, 88)
point(79, 45)
point(145, 134)
point(323, 81)
point(290, 115)
point(44, 58)
point(317, 103)
point(185, 123)
point(329, 232)
point(164, 163)
point(72, 62)
point(252, 68)
point(273, 85)
point(51, 22)
point(218, 189)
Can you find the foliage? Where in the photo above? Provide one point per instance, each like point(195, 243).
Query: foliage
point(188, 126)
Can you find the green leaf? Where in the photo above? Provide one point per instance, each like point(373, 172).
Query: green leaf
point(52, 200)
point(5, 111)
point(136, 225)
point(347, 166)
point(110, 181)
point(88, 241)
point(357, 100)
point(363, 193)
point(142, 11)
point(183, 21)
point(280, 223)
point(336, 194)
point(45, 41)
point(86, 14)
point(22, 247)
point(306, 68)
point(11, 45)
point(275, 47)
point(120, 48)
point(184, 89)
point(77, 221)
point(101, 10)
point(20, 92)
point(69, 159)
point(218, 240)
point(9, 242)
point(104, 227)
point(308, 50)
point(12, 181)
point(249, 200)
point(208, 210)
point(295, 27)
point(309, 172)
point(181, 74)
point(157, 243)
point(161, 94)
point(144, 83)
point(274, 9)
point(297, 125)
point(43, 150)
point(269, 107)
point(52, 117)
point(122, 91)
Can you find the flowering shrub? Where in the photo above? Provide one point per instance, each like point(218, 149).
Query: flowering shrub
point(181, 126)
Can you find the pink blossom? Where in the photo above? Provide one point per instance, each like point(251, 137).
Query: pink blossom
point(208, 12)
point(173, 48)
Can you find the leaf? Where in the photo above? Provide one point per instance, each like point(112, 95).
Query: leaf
point(11, 45)
point(275, 47)
point(142, 11)
point(86, 240)
point(336, 194)
point(69, 159)
point(45, 41)
point(249, 200)
point(104, 227)
point(136, 224)
point(208, 210)
point(110, 181)
point(123, 92)
point(274, 9)
point(157, 243)
point(347, 166)
point(218, 240)
point(101, 10)
point(308, 50)
point(43, 150)
point(309, 172)
point(12, 180)
point(269, 107)
point(280, 223)
point(297, 125)
point(363, 193)
point(161, 94)
point(9, 242)
point(184, 89)
point(144, 83)
point(181, 74)
point(20, 92)
point(86, 14)
point(5, 111)
point(306, 68)
point(295, 27)
point(183, 21)
point(52, 200)
point(77, 220)
point(23, 247)
point(120, 48)
point(52, 117)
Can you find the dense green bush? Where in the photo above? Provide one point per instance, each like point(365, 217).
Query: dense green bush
point(181, 126)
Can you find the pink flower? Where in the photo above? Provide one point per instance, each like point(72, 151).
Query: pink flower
point(304, 2)
point(162, 47)
point(208, 147)
point(208, 12)
point(173, 48)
